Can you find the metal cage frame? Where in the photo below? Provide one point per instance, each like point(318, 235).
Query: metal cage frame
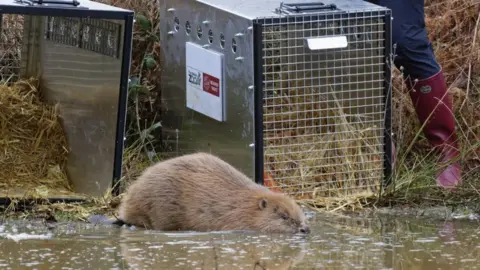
point(259, 87)
point(181, 129)
point(86, 10)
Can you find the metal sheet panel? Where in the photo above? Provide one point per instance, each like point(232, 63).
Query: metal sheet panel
point(185, 130)
point(86, 84)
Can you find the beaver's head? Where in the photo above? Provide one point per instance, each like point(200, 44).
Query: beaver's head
point(277, 212)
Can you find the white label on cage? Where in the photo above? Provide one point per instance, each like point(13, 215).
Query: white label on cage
point(204, 79)
point(323, 43)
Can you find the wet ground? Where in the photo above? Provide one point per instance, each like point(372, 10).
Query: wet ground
point(336, 242)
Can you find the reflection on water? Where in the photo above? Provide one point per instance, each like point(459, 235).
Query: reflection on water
point(335, 243)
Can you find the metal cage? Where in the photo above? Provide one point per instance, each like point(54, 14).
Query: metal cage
point(81, 53)
point(298, 92)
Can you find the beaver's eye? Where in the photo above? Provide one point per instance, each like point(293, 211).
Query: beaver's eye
point(283, 216)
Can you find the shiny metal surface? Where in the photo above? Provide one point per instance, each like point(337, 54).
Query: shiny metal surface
point(86, 86)
point(231, 139)
point(81, 55)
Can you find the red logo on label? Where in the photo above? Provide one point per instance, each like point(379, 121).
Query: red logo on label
point(211, 85)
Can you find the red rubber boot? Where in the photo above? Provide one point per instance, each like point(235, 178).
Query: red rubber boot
point(427, 96)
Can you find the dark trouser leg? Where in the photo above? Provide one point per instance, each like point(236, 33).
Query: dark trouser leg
point(424, 77)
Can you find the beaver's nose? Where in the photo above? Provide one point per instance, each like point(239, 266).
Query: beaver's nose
point(305, 229)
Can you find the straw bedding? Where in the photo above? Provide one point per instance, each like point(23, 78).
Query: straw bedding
point(343, 161)
point(32, 143)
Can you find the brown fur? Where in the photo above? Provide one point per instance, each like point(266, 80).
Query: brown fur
point(201, 192)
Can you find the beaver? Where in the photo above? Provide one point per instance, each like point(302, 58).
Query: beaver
point(201, 192)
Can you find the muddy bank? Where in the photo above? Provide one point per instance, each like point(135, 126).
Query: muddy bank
point(75, 213)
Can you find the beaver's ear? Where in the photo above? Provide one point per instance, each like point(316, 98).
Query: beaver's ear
point(262, 203)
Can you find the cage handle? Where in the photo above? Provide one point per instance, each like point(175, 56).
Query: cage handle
point(310, 6)
point(73, 2)
point(55, 2)
point(325, 43)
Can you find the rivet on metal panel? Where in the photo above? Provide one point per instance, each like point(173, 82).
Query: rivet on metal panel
point(251, 145)
point(250, 87)
point(240, 58)
point(206, 46)
point(171, 33)
point(250, 28)
point(239, 35)
point(206, 22)
point(171, 10)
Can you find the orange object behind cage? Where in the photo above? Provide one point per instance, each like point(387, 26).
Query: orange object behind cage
point(269, 182)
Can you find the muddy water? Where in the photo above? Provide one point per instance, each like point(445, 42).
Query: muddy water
point(335, 243)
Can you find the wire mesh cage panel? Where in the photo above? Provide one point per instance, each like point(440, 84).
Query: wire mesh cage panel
point(10, 46)
point(304, 90)
point(100, 36)
point(79, 52)
point(324, 111)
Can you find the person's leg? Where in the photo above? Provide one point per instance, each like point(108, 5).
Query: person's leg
point(395, 36)
point(424, 77)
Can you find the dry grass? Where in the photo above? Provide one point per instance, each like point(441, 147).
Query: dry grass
point(144, 92)
point(33, 145)
point(341, 161)
point(10, 45)
point(143, 119)
point(134, 163)
point(453, 28)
